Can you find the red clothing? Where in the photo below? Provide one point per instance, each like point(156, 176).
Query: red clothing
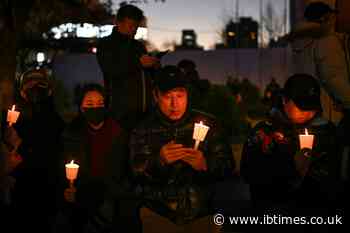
point(101, 142)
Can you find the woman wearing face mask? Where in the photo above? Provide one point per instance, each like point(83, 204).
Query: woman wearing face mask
point(94, 141)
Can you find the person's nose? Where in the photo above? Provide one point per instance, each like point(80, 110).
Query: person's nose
point(174, 102)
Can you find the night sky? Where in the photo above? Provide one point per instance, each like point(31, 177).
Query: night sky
point(206, 17)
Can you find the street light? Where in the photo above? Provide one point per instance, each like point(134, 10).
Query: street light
point(40, 57)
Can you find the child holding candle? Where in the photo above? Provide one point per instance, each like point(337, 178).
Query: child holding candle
point(283, 176)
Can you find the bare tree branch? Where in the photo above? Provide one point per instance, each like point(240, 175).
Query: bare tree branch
point(273, 22)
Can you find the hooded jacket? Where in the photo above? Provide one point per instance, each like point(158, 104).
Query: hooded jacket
point(322, 54)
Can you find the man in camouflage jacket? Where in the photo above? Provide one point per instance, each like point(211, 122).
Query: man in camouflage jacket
point(280, 174)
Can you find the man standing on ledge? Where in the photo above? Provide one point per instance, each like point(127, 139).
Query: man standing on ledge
point(123, 61)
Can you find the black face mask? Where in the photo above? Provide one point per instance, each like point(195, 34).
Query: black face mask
point(94, 115)
point(37, 94)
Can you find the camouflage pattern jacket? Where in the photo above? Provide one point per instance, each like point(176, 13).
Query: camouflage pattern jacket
point(269, 161)
point(177, 191)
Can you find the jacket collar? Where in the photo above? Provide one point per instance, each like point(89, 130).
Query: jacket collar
point(165, 121)
point(116, 34)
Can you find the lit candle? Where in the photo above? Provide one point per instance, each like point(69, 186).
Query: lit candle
point(199, 133)
point(306, 140)
point(12, 115)
point(72, 171)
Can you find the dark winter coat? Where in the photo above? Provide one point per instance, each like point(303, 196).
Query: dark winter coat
point(269, 163)
point(128, 86)
point(177, 191)
point(77, 138)
point(35, 192)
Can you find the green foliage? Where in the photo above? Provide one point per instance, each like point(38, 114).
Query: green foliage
point(252, 100)
point(251, 97)
point(219, 102)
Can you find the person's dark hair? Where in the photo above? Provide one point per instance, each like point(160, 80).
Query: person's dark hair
point(130, 11)
point(90, 87)
point(187, 65)
point(314, 11)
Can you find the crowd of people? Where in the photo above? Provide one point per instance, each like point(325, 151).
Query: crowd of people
point(139, 167)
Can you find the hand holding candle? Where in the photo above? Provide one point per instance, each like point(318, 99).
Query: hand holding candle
point(12, 115)
point(199, 133)
point(306, 140)
point(72, 171)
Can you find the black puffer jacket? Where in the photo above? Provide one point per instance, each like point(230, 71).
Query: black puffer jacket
point(177, 191)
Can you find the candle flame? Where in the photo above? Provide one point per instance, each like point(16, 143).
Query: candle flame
point(13, 107)
point(201, 122)
point(306, 133)
point(72, 162)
